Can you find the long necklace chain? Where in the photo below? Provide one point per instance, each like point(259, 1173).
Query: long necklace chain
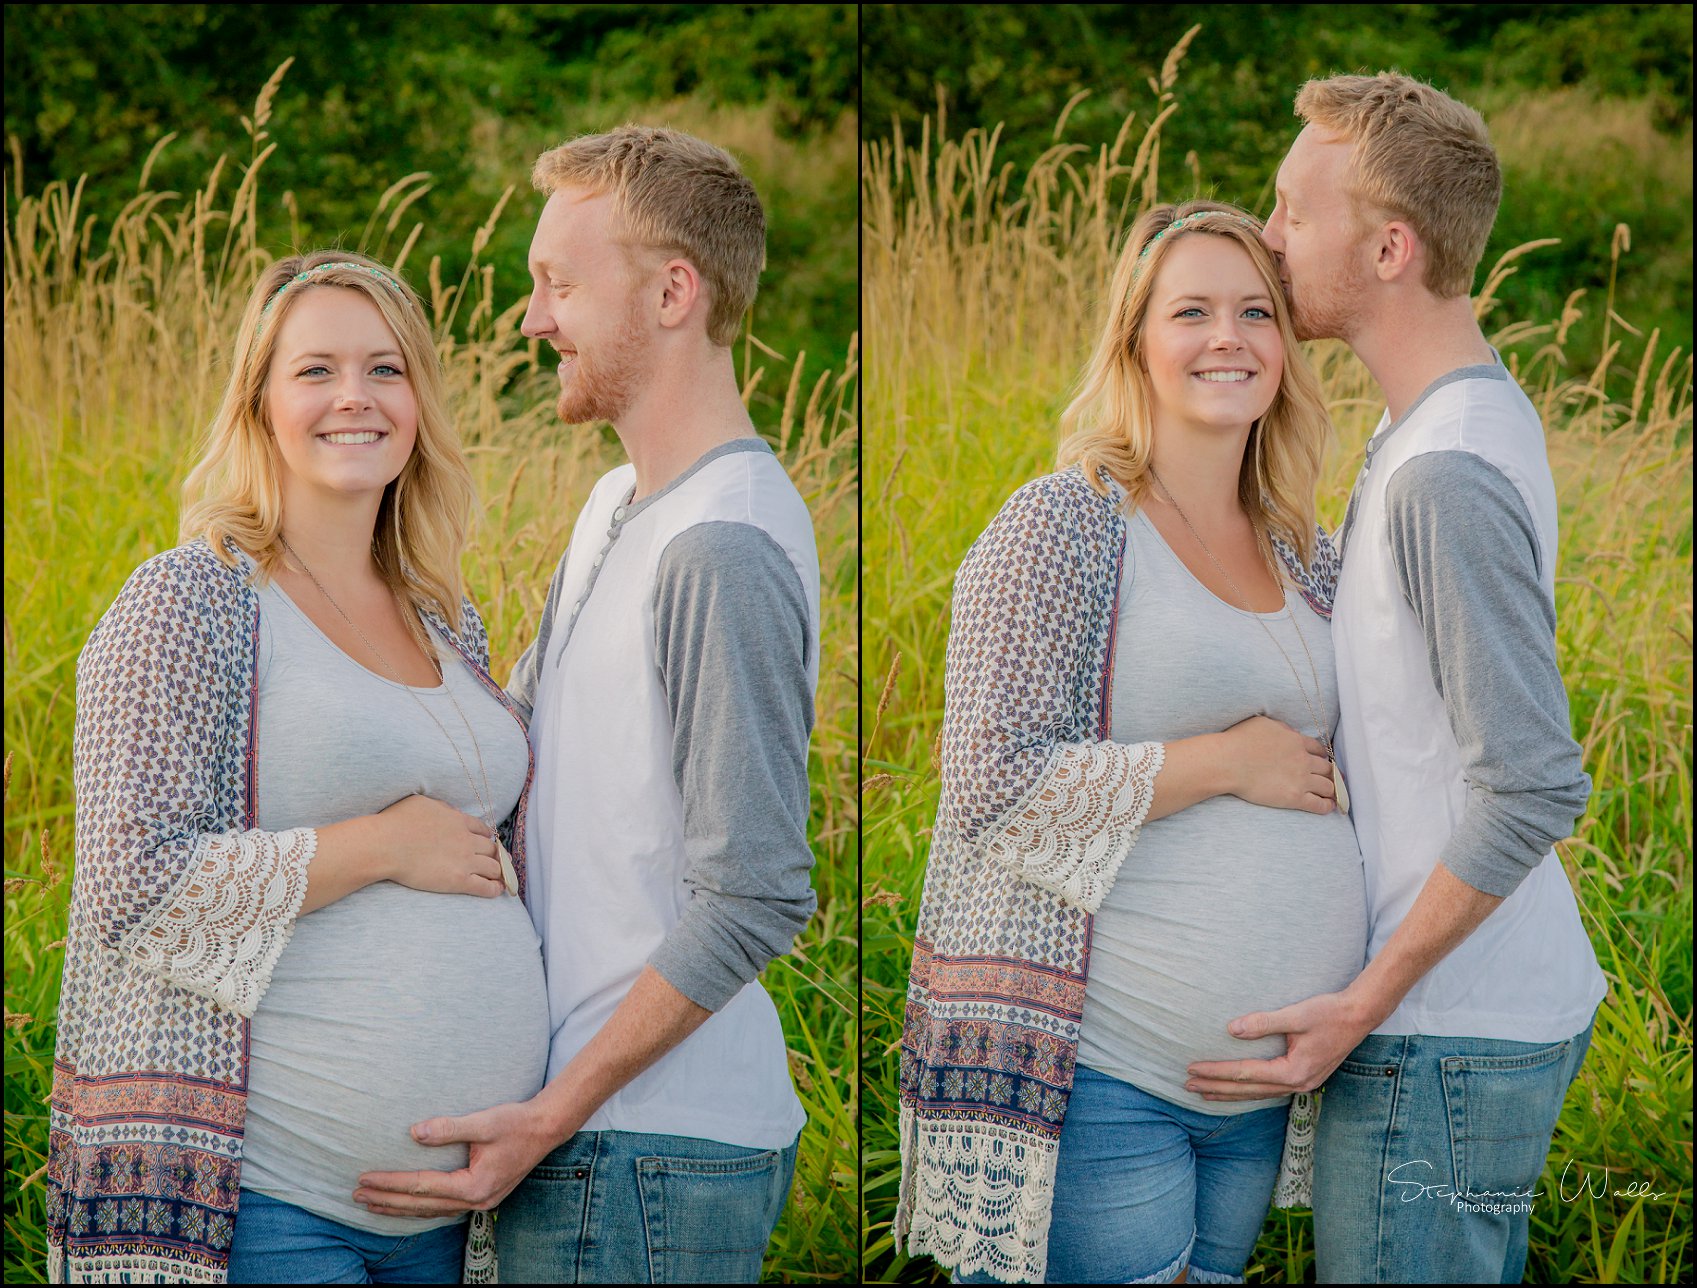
point(1313, 670)
point(486, 804)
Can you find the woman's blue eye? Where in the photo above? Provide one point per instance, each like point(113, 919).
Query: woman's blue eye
point(1195, 308)
point(381, 366)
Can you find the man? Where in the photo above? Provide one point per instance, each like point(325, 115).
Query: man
point(671, 697)
point(1446, 1061)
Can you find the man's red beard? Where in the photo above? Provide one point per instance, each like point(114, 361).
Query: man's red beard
point(603, 387)
point(1327, 310)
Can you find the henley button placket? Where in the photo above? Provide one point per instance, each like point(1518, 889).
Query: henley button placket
point(594, 572)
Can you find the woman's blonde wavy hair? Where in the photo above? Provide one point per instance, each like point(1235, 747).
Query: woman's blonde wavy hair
point(1110, 422)
point(234, 492)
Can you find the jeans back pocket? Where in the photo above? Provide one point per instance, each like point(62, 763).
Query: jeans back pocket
point(708, 1221)
point(1502, 1111)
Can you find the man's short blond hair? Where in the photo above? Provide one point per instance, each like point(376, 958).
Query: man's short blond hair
point(1419, 156)
point(678, 195)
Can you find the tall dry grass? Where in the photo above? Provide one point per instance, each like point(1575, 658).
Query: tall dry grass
point(982, 303)
point(116, 345)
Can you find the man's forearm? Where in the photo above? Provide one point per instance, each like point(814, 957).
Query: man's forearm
point(653, 1018)
point(1446, 912)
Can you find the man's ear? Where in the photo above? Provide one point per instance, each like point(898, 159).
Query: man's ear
point(683, 294)
point(1398, 252)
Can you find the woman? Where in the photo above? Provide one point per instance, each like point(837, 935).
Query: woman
point(292, 932)
point(1170, 584)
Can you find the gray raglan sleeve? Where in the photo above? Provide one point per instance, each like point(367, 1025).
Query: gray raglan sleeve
point(733, 640)
point(1467, 555)
point(521, 685)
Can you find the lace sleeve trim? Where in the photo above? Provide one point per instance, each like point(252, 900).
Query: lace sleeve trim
point(222, 929)
point(977, 1198)
point(480, 1265)
point(1080, 819)
point(1295, 1184)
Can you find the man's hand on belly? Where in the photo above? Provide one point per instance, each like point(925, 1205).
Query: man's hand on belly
point(1320, 1034)
point(1323, 1030)
point(509, 1140)
point(506, 1142)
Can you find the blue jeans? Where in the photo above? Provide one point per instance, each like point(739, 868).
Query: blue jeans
point(615, 1207)
point(1428, 1155)
point(1145, 1188)
point(279, 1243)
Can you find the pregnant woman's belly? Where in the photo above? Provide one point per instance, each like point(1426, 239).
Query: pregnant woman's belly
point(1223, 909)
point(388, 1007)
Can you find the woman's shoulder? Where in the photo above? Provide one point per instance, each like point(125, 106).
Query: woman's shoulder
point(468, 631)
point(1317, 580)
point(190, 578)
point(184, 608)
point(1055, 531)
point(471, 627)
point(1064, 501)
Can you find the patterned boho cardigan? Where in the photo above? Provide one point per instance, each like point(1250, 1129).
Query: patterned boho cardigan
point(180, 907)
point(1038, 809)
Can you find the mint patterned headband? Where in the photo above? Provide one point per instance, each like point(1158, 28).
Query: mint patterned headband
point(318, 270)
point(1195, 217)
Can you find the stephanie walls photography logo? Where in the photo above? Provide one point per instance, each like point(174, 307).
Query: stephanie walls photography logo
point(1411, 1183)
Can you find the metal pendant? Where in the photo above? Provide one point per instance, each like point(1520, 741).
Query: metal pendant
point(1342, 791)
point(509, 874)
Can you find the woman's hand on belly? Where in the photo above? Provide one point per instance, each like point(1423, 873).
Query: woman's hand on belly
point(432, 846)
point(1272, 764)
point(416, 842)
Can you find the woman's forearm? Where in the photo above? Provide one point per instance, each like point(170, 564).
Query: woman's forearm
point(350, 857)
point(1194, 769)
point(1260, 760)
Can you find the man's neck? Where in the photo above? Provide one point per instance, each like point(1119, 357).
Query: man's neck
point(1416, 343)
point(684, 412)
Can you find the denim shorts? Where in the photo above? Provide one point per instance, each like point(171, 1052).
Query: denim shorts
point(613, 1207)
point(1145, 1188)
point(1428, 1157)
point(279, 1243)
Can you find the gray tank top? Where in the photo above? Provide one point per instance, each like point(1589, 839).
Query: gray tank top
point(390, 1005)
point(1226, 907)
